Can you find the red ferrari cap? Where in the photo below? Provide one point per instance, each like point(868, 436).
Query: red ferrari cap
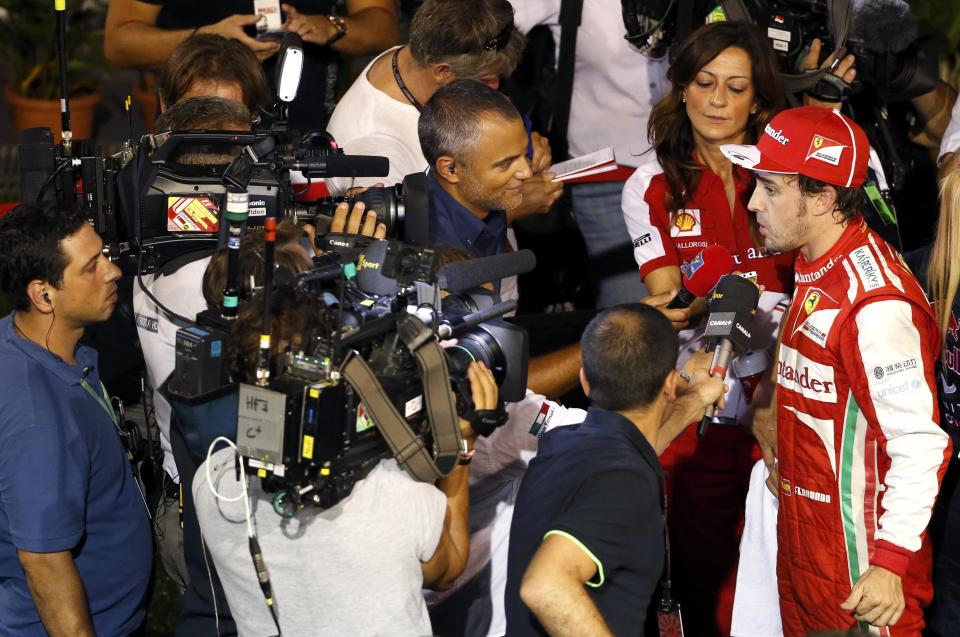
point(816, 142)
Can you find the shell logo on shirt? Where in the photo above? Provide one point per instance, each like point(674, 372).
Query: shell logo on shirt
point(686, 223)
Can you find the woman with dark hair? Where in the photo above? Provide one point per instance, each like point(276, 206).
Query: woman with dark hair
point(725, 88)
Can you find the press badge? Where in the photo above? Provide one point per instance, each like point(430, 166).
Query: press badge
point(669, 621)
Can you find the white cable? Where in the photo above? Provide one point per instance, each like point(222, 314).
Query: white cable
point(243, 482)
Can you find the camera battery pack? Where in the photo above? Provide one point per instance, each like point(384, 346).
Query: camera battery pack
point(199, 366)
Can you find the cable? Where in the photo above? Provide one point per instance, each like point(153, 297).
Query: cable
point(49, 181)
point(263, 576)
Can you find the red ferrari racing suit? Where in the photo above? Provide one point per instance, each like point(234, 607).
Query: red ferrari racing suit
point(861, 453)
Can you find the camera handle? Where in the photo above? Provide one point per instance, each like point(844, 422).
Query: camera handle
point(408, 447)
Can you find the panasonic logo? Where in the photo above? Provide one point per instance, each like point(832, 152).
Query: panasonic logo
point(777, 135)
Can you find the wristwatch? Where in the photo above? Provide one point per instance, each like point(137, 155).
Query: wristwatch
point(466, 454)
point(339, 25)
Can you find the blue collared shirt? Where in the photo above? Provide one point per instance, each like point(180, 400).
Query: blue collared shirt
point(453, 225)
point(66, 485)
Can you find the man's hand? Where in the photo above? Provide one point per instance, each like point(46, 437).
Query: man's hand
point(539, 193)
point(845, 70)
point(483, 389)
point(876, 598)
point(542, 156)
point(357, 223)
point(312, 28)
point(709, 390)
point(680, 318)
point(232, 28)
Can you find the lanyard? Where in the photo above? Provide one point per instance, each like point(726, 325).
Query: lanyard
point(103, 401)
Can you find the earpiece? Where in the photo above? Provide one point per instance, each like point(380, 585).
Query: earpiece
point(453, 168)
point(46, 297)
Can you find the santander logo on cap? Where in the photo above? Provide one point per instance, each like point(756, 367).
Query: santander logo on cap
point(777, 135)
point(817, 142)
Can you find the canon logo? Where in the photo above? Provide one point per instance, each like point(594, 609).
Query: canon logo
point(777, 135)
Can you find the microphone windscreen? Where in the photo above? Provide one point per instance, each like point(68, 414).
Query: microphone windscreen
point(291, 40)
point(883, 25)
point(734, 294)
point(370, 276)
point(466, 275)
point(701, 274)
point(338, 165)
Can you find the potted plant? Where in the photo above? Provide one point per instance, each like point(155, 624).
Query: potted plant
point(28, 50)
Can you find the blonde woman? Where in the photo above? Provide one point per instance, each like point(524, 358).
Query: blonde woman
point(938, 266)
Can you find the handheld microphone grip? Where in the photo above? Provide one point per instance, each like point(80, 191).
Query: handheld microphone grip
point(683, 299)
point(718, 368)
point(701, 275)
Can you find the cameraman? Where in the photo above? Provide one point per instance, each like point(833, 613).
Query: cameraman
point(75, 551)
point(143, 34)
point(209, 65)
point(449, 39)
point(357, 567)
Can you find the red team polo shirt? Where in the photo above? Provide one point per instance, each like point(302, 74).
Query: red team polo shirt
point(659, 241)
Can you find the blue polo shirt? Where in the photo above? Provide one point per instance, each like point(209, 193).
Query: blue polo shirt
point(598, 485)
point(66, 485)
point(453, 225)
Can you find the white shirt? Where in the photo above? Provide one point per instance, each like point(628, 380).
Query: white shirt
point(367, 121)
point(181, 292)
point(951, 137)
point(353, 570)
point(614, 86)
point(496, 470)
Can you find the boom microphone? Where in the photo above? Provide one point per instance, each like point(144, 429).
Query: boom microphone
point(344, 166)
point(883, 25)
point(728, 328)
point(701, 275)
point(465, 275)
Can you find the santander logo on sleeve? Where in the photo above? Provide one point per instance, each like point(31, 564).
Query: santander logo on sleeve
point(798, 373)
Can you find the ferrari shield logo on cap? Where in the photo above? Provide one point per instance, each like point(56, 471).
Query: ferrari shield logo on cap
point(825, 149)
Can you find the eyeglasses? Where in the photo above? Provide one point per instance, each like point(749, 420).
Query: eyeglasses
point(500, 40)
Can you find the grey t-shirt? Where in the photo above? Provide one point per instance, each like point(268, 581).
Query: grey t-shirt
point(352, 570)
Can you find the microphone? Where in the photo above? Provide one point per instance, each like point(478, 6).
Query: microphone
point(731, 309)
point(289, 66)
point(883, 25)
point(701, 275)
point(749, 368)
point(338, 165)
point(465, 275)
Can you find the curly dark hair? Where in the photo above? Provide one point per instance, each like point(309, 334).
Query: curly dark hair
point(30, 248)
point(296, 318)
point(669, 129)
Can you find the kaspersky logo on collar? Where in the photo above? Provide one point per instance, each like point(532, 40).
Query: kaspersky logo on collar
point(777, 135)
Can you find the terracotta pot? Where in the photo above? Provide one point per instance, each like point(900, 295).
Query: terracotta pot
point(32, 113)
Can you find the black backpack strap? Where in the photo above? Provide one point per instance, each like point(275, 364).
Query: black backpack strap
point(570, 13)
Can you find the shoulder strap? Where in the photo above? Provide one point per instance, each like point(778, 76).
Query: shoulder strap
point(570, 14)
